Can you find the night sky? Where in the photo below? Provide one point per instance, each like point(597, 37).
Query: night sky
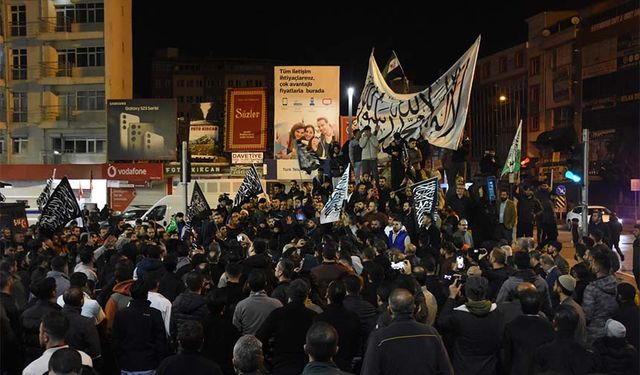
point(427, 40)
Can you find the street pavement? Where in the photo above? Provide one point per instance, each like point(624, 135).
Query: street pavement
point(626, 245)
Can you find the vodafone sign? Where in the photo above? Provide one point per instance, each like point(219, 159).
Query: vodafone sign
point(138, 172)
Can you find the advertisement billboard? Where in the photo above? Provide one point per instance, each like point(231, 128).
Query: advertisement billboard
point(307, 110)
point(246, 119)
point(141, 129)
point(138, 172)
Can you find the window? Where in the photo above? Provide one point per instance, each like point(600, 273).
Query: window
point(534, 66)
point(3, 106)
point(20, 145)
point(180, 83)
point(258, 83)
point(1, 145)
point(90, 100)
point(534, 123)
point(502, 64)
point(518, 59)
point(157, 83)
point(19, 106)
point(534, 98)
point(19, 66)
point(208, 83)
point(65, 15)
point(190, 83)
point(79, 145)
point(89, 13)
point(66, 62)
point(486, 70)
point(90, 56)
point(18, 20)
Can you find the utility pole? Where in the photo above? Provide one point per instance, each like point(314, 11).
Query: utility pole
point(184, 165)
point(585, 182)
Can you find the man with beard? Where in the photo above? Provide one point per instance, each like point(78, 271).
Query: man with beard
point(429, 241)
point(376, 230)
point(506, 216)
point(374, 214)
point(314, 232)
point(409, 222)
point(528, 210)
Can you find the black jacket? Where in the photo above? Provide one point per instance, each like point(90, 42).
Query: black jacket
point(287, 326)
point(366, 312)
point(475, 338)
point(406, 347)
point(521, 338)
point(82, 334)
point(564, 356)
point(616, 356)
point(220, 335)
point(188, 363)
point(188, 306)
point(139, 337)
point(30, 319)
point(347, 324)
point(171, 286)
point(629, 315)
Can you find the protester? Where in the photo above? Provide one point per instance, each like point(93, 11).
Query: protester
point(189, 360)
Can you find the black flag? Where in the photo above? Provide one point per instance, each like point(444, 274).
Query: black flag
point(425, 198)
point(307, 160)
point(61, 208)
point(199, 206)
point(44, 196)
point(250, 187)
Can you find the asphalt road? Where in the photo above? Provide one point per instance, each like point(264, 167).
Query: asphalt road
point(626, 245)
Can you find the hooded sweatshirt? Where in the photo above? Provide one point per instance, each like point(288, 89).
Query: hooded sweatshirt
point(119, 299)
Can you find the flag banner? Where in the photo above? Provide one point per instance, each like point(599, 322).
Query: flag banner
point(332, 209)
point(512, 164)
point(199, 206)
point(393, 70)
point(425, 198)
point(44, 196)
point(308, 160)
point(61, 208)
point(437, 113)
point(250, 187)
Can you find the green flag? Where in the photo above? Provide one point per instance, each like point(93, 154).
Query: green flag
point(512, 164)
point(173, 225)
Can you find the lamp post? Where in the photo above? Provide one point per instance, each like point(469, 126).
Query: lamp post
point(350, 94)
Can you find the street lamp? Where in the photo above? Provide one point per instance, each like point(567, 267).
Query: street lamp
point(502, 98)
point(350, 94)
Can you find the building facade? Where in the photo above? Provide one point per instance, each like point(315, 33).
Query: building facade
point(61, 60)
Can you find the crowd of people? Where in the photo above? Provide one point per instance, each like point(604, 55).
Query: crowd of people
point(265, 288)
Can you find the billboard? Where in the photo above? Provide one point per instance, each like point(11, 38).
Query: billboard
point(204, 134)
point(141, 129)
point(246, 119)
point(132, 172)
point(307, 109)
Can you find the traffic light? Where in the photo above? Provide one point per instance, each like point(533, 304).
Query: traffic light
point(575, 168)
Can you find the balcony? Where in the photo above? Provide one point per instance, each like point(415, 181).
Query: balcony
point(54, 73)
point(56, 113)
point(54, 28)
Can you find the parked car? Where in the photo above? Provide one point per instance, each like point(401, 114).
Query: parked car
point(576, 213)
point(135, 212)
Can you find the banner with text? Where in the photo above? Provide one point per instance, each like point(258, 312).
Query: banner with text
point(61, 208)
point(437, 113)
point(425, 198)
point(246, 119)
point(307, 109)
point(141, 129)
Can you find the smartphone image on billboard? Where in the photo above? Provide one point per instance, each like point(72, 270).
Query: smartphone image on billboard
point(126, 120)
point(153, 143)
point(137, 134)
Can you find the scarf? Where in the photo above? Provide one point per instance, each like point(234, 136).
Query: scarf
point(482, 307)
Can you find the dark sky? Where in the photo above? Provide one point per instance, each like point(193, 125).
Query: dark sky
point(427, 39)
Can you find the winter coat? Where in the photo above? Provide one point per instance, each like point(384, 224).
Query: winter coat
point(394, 349)
point(521, 337)
point(188, 306)
point(62, 281)
point(476, 338)
point(82, 334)
point(150, 265)
point(564, 356)
point(617, 356)
point(508, 290)
point(599, 304)
point(30, 320)
point(139, 337)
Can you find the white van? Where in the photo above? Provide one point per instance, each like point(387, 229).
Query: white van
point(169, 205)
